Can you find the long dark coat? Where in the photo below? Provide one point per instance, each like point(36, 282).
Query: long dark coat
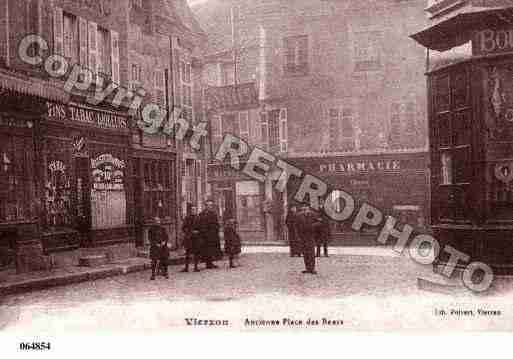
point(307, 224)
point(156, 235)
point(294, 242)
point(209, 232)
point(232, 243)
point(322, 230)
point(191, 228)
point(306, 230)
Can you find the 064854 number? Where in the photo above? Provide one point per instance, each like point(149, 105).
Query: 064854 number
point(35, 346)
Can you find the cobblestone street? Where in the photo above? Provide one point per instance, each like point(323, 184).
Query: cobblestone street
point(367, 291)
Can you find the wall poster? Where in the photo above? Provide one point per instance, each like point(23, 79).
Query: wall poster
point(108, 196)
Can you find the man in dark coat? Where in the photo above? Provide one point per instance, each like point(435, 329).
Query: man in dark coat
point(306, 232)
point(322, 231)
point(158, 248)
point(209, 232)
point(232, 242)
point(191, 231)
point(292, 221)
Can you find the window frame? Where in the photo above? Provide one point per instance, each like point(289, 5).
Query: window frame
point(296, 60)
point(74, 47)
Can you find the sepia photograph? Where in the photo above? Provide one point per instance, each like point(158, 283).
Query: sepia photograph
point(255, 166)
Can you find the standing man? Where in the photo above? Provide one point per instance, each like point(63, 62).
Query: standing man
point(322, 234)
point(209, 232)
point(292, 221)
point(158, 239)
point(307, 235)
point(192, 239)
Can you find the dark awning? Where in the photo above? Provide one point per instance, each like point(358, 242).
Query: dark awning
point(458, 29)
point(30, 86)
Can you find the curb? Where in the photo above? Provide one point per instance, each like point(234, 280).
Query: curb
point(74, 278)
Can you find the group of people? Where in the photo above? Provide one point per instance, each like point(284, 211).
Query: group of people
point(201, 241)
point(307, 231)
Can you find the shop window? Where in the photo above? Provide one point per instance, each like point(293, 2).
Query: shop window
point(453, 129)
point(460, 90)
point(16, 179)
point(462, 165)
point(248, 206)
point(108, 192)
point(461, 128)
point(159, 189)
point(444, 130)
point(442, 93)
point(446, 168)
point(296, 55)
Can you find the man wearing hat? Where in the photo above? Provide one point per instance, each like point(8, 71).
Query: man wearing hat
point(209, 233)
point(192, 239)
point(306, 232)
point(159, 252)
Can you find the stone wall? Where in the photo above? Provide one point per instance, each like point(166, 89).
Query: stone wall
point(360, 57)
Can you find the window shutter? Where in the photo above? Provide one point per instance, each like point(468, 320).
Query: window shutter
point(283, 130)
point(160, 89)
point(289, 53)
point(264, 134)
point(303, 51)
point(82, 38)
point(114, 46)
point(244, 125)
point(58, 42)
point(93, 47)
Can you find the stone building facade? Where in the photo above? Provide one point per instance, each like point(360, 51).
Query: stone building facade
point(163, 42)
point(333, 79)
point(78, 177)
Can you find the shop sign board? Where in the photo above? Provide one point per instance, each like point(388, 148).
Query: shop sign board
point(492, 41)
point(83, 115)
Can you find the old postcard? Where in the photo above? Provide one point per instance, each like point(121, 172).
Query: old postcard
point(255, 166)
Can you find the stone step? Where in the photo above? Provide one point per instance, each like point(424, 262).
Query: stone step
point(92, 260)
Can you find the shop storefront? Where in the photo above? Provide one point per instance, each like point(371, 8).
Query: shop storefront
point(86, 183)
point(397, 184)
point(241, 198)
point(18, 204)
point(22, 104)
point(155, 184)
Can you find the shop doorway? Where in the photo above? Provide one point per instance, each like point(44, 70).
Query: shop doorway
point(228, 207)
point(83, 198)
